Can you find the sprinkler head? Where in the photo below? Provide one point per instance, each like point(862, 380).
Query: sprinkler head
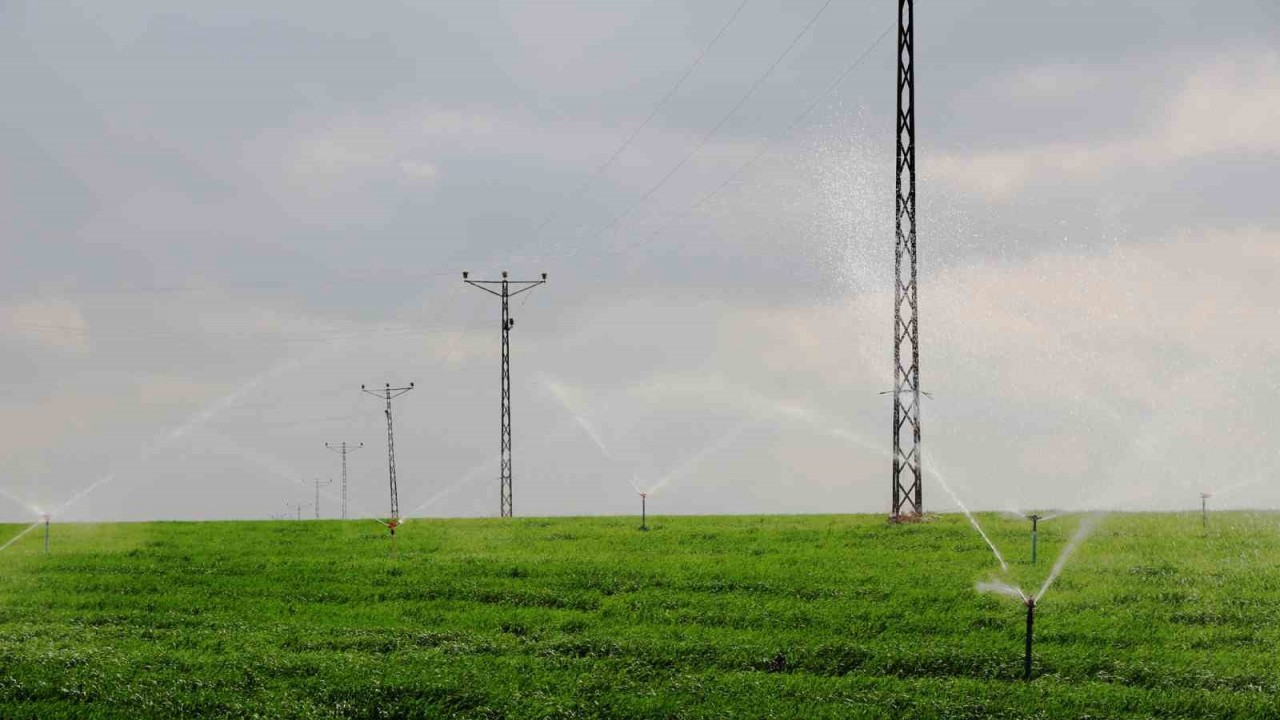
point(465, 274)
point(1030, 601)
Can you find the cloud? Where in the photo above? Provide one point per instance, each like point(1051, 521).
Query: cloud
point(1226, 105)
point(51, 323)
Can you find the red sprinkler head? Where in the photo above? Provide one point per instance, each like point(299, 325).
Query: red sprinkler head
point(392, 524)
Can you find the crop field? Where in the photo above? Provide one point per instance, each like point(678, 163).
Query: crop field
point(702, 617)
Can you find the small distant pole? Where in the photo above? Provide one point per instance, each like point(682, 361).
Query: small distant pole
point(388, 394)
point(505, 292)
point(317, 484)
point(1035, 521)
point(45, 517)
point(297, 507)
point(1204, 509)
point(644, 525)
point(343, 449)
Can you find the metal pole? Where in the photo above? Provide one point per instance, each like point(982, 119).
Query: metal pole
point(343, 449)
point(505, 293)
point(644, 522)
point(908, 496)
point(388, 394)
point(46, 534)
point(504, 480)
point(1031, 618)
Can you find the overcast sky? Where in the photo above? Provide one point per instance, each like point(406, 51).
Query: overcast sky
point(220, 219)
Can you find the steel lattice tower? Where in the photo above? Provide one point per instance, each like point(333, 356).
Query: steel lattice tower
point(506, 293)
point(389, 393)
point(908, 499)
point(343, 449)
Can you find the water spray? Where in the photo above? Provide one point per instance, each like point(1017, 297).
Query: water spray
point(643, 518)
point(45, 517)
point(1035, 534)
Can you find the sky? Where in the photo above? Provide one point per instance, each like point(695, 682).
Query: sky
point(221, 219)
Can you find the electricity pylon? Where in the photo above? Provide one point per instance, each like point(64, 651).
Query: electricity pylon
point(908, 499)
point(297, 507)
point(318, 483)
point(389, 393)
point(343, 449)
point(506, 293)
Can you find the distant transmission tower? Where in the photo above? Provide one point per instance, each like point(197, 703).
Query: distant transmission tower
point(343, 449)
point(389, 393)
point(908, 499)
point(297, 507)
point(318, 483)
point(505, 292)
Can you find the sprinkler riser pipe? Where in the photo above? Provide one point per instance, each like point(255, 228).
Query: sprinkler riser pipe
point(46, 536)
point(1031, 618)
point(1034, 542)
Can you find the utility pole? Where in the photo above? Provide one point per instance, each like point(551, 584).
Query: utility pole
point(343, 449)
point(389, 393)
point(317, 483)
point(506, 293)
point(297, 507)
point(908, 500)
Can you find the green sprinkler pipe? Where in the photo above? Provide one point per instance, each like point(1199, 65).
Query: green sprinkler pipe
point(1035, 535)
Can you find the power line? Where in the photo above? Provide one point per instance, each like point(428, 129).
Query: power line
point(707, 137)
point(639, 128)
point(380, 277)
point(768, 145)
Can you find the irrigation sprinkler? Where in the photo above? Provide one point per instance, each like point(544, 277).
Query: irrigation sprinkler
point(644, 525)
point(45, 517)
point(1204, 509)
point(1031, 619)
point(1035, 534)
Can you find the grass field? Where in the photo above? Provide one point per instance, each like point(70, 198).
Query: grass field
point(789, 617)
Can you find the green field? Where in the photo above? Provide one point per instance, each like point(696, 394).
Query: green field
point(795, 617)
